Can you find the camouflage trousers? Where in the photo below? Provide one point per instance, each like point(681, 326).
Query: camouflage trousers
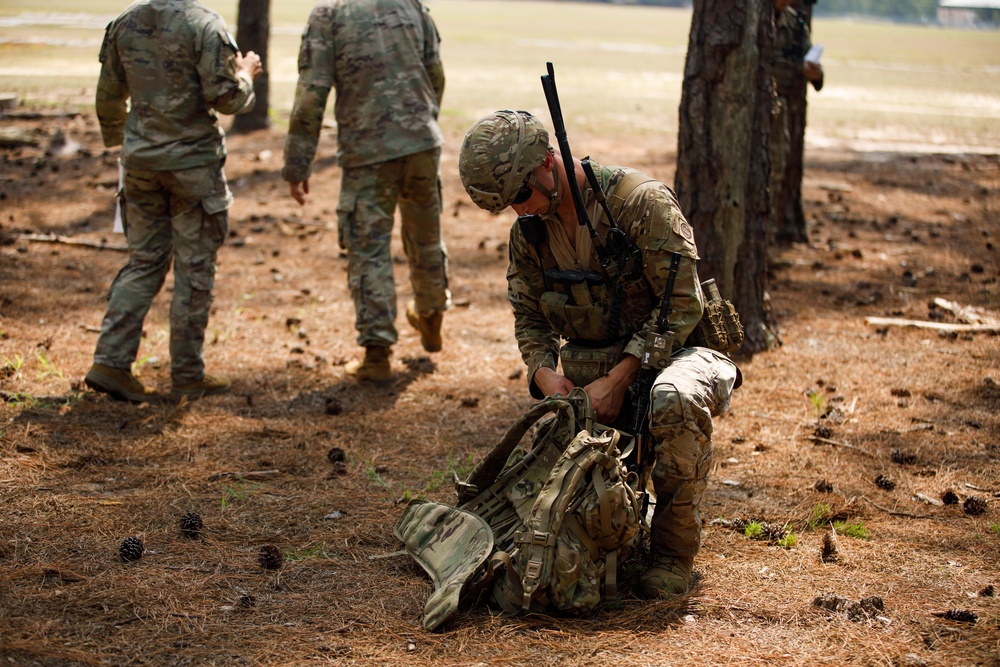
point(694, 388)
point(780, 145)
point(365, 212)
point(168, 215)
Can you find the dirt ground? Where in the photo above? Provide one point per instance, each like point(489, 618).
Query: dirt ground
point(889, 432)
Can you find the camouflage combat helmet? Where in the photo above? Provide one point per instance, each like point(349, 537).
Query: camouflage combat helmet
point(498, 154)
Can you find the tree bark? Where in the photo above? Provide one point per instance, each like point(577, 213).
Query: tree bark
point(723, 159)
point(790, 219)
point(253, 28)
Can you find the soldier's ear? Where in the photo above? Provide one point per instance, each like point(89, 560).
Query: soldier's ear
point(549, 161)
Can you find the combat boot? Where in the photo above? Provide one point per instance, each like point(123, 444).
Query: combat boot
point(207, 386)
point(120, 384)
point(668, 576)
point(374, 366)
point(429, 326)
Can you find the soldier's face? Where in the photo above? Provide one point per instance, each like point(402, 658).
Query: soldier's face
point(522, 206)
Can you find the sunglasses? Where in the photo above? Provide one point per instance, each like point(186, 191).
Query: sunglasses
point(524, 194)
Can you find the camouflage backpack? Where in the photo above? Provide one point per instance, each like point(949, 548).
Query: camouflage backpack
point(539, 528)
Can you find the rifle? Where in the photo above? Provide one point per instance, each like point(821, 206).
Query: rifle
point(621, 258)
point(655, 357)
point(627, 263)
point(559, 128)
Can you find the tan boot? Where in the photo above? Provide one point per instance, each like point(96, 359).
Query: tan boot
point(429, 327)
point(207, 386)
point(119, 384)
point(374, 366)
point(669, 576)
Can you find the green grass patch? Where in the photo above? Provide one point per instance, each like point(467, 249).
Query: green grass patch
point(854, 529)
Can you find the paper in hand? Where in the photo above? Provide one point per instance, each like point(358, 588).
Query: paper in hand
point(814, 54)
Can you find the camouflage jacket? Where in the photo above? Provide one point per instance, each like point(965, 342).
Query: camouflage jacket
point(545, 311)
point(791, 43)
point(177, 63)
point(382, 57)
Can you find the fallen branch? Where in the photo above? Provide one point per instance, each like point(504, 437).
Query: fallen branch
point(939, 326)
point(36, 115)
point(65, 240)
point(965, 313)
point(897, 513)
point(252, 476)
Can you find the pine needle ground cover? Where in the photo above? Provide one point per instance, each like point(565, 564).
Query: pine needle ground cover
point(265, 515)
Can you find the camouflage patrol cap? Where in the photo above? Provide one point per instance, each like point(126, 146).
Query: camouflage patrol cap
point(498, 153)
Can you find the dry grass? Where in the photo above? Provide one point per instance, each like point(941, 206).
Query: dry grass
point(78, 472)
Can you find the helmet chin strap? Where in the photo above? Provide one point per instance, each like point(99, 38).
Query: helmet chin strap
point(553, 194)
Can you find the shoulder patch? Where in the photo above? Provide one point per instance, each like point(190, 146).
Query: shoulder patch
point(684, 229)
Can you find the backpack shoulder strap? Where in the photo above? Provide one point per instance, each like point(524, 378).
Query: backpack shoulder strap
point(487, 471)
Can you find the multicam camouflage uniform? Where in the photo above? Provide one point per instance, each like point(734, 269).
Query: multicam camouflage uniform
point(698, 383)
point(177, 63)
point(383, 59)
point(791, 43)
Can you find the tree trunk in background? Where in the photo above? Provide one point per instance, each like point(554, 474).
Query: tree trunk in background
point(253, 27)
point(723, 154)
point(790, 220)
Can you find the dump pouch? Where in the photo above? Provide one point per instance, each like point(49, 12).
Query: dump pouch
point(582, 362)
point(719, 327)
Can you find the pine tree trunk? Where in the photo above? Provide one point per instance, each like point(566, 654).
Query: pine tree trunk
point(723, 154)
point(790, 220)
point(253, 28)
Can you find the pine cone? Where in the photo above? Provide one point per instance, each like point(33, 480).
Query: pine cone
point(270, 557)
point(960, 615)
point(974, 505)
point(130, 549)
point(884, 483)
point(828, 553)
point(191, 524)
point(949, 497)
point(823, 486)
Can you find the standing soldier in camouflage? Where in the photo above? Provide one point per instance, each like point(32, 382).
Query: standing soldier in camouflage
point(179, 66)
point(561, 315)
point(383, 59)
point(791, 43)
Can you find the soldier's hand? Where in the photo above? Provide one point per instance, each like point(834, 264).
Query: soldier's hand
point(299, 190)
point(813, 71)
point(551, 383)
point(606, 397)
point(250, 63)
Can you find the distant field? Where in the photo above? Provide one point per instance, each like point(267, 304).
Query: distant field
point(619, 68)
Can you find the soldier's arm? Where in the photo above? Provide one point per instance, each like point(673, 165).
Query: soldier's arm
point(538, 344)
point(432, 56)
point(112, 93)
point(662, 231)
point(225, 85)
point(316, 77)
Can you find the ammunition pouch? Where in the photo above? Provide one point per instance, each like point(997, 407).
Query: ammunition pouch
point(584, 361)
point(719, 328)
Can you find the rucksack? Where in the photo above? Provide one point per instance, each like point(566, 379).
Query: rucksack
point(537, 528)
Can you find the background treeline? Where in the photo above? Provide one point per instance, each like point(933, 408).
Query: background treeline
point(898, 10)
point(908, 11)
